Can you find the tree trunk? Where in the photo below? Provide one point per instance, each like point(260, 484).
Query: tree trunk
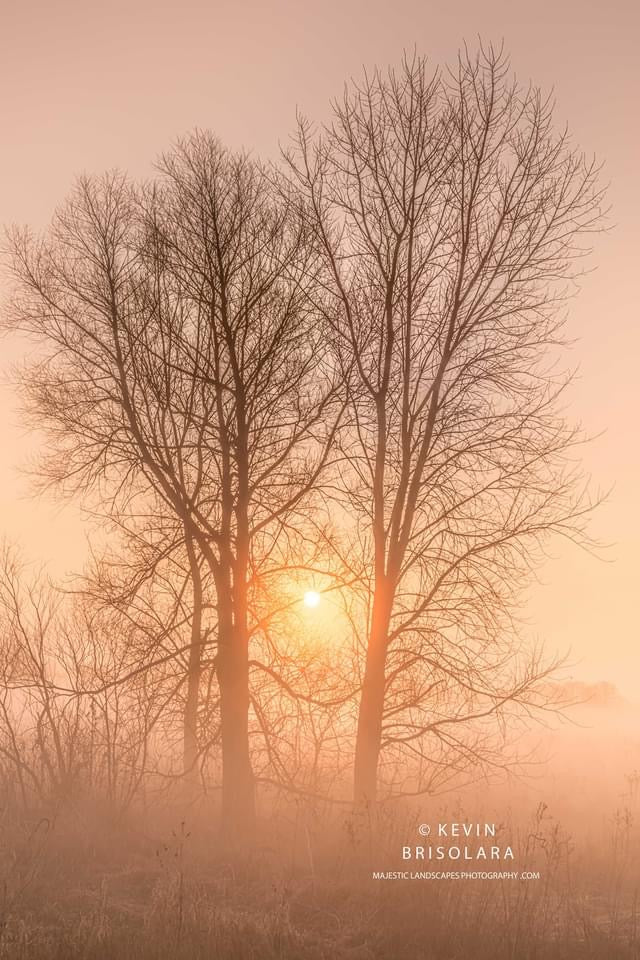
point(238, 797)
point(190, 749)
point(238, 792)
point(370, 714)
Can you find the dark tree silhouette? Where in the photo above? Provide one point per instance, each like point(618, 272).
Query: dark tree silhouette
point(450, 214)
point(228, 356)
point(182, 357)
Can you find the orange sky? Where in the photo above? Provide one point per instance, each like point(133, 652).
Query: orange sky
point(87, 85)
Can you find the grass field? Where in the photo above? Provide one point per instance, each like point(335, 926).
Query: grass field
point(82, 886)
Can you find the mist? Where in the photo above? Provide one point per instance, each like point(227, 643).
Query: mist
point(303, 659)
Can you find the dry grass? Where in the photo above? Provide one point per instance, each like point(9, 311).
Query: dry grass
point(81, 888)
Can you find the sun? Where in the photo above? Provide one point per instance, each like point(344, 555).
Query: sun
point(311, 598)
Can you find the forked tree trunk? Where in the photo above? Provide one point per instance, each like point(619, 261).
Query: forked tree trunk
point(238, 787)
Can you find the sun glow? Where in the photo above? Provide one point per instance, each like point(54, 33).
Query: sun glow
point(311, 598)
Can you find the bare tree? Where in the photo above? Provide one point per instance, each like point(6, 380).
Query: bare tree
point(70, 720)
point(182, 359)
point(450, 213)
point(105, 380)
point(153, 577)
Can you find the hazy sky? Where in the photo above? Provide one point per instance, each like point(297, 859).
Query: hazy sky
point(85, 86)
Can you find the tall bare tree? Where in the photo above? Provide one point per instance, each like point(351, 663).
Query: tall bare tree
point(181, 359)
point(450, 214)
point(238, 253)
